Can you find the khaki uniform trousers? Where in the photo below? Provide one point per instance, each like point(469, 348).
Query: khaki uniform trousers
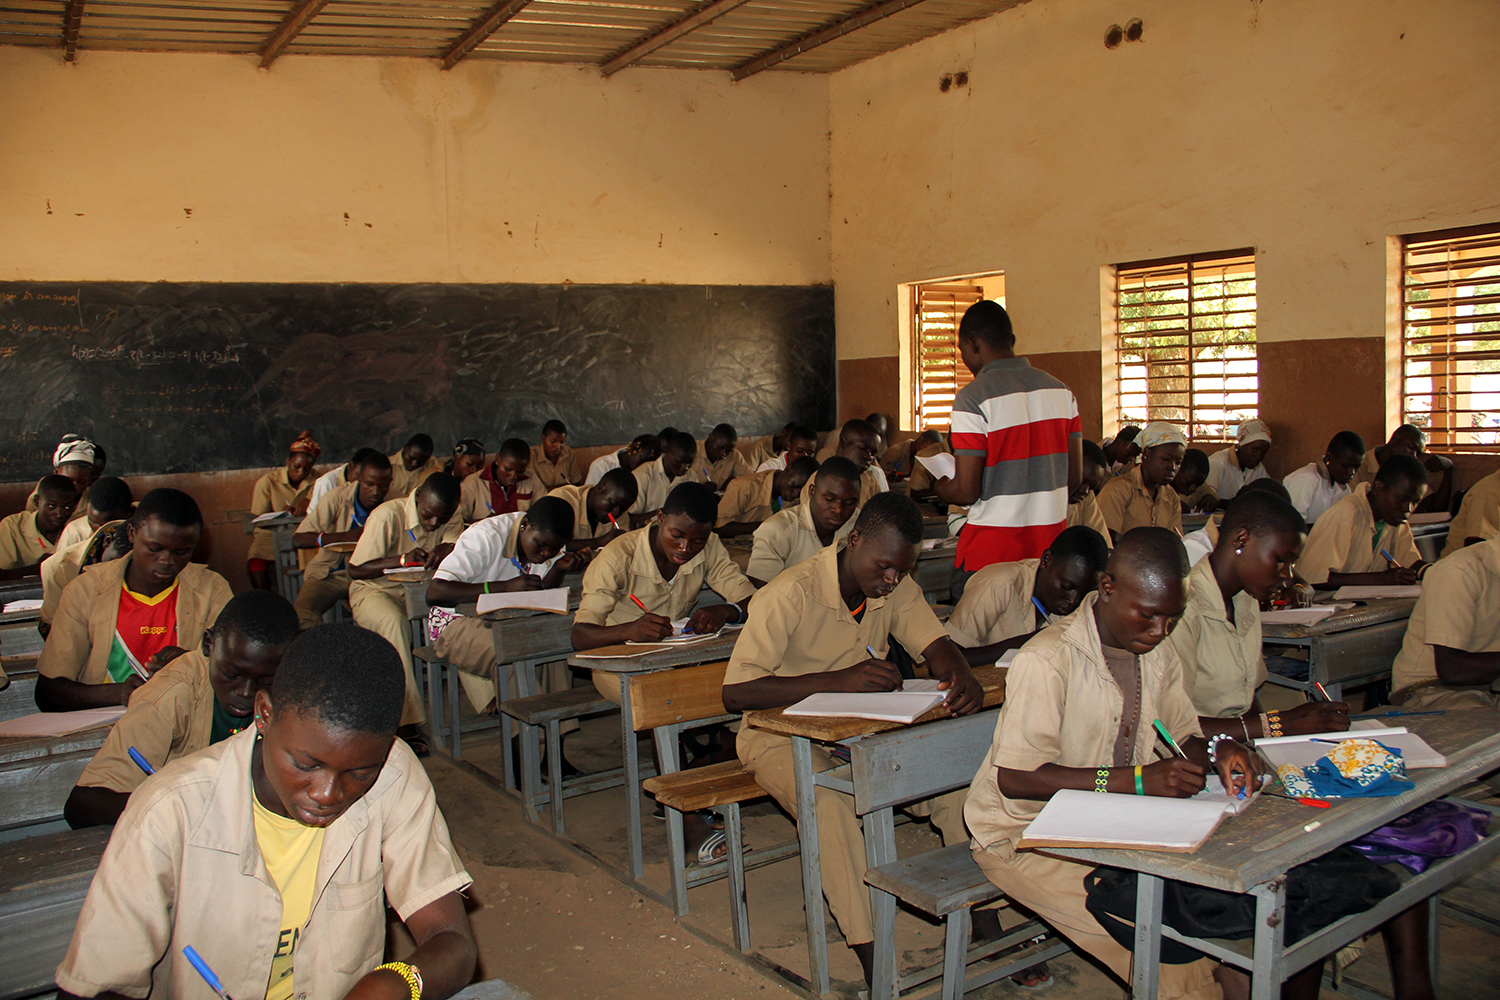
point(385, 615)
point(841, 839)
point(317, 596)
point(1053, 889)
point(1440, 698)
point(469, 645)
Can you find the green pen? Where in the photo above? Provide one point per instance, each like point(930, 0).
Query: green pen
point(1161, 731)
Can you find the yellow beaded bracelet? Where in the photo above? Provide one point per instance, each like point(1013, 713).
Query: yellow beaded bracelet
point(407, 972)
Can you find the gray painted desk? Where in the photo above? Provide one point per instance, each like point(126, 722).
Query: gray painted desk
point(1350, 647)
point(36, 776)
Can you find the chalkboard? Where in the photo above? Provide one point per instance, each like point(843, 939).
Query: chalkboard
point(186, 378)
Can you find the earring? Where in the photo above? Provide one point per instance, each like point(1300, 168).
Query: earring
point(1239, 551)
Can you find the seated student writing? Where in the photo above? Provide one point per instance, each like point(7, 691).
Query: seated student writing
point(599, 510)
point(552, 462)
point(1478, 516)
point(1083, 503)
point(655, 480)
point(333, 526)
point(28, 537)
point(639, 451)
point(121, 619)
point(1319, 485)
point(274, 853)
point(200, 698)
point(1191, 483)
point(1364, 540)
point(899, 460)
point(417, 532)
point(76, 459)
point(1079, 702)
point(800, 441)
point(1450, 658)
point(719, 460)
point(1007, 603)
point(501, 487)
point(1242, 463)
point(859, 443)
point(770, 447)
point(798, 533)
point(1410, 440)
point(411, 464)
point(287, 489)
point(108, 502)
point(810, 632)
point(341, 474)
point(1143, 496)
point(467, 459)
point(751, 499)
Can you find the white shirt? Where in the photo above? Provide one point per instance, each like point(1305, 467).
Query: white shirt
point(326, 483)
point(599, 466)
point(885, 484)
point(1198, 546)
point(1227, 478)
point(1312, 491)
point(480, 554)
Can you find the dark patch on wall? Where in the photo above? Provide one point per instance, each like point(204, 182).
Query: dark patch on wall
point(869, 385)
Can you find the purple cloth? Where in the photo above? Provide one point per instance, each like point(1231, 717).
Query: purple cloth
point(1424, 835)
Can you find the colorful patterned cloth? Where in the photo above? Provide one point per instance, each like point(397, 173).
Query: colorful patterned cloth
point(1356, 767)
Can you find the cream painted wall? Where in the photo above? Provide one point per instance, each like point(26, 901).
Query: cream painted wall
point(355, 169)
point(1309, 130)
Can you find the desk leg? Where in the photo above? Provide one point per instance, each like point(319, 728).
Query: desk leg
point(880, 849)
point(632, 782)
point(812, 869)
point(1270, 930)
point(502, 675)
point(1146, 964)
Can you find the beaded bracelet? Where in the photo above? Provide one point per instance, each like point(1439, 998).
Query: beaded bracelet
point(1270, 723)
point(1101, 780)
point(1213, 747)
point(407, 972)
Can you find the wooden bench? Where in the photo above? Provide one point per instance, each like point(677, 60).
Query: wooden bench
point(667, 703)
point(19, 697)
point(43, 881)
point(544, 714)
point(36, 776)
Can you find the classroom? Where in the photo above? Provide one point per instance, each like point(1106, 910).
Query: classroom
point(1081, 292)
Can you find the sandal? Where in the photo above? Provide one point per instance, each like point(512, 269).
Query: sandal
point(1038, 977)
point(714, 848)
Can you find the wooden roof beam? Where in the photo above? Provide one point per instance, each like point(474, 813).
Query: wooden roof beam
point(296, 19)
point(822, 36)
point(668, 35)
point(483, 28)
point(72, 25)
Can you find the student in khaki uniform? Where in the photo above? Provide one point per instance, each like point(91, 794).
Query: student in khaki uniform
point(1007, 603)
point(411, 464)
point(28, 537)
point(1083, 503)
point(1478, 517)
point(1344, 548)
point(288, 489)
point(642, 449)
point(752, 499)
point(665, 565)
point(1121, 451)
point(798, 533)
point(1451, 656)
point(920, 485)
point(467, 459)
point(800, 440)
point(341, 474)
point(76, 459)
point(1410, 440)
point(1191, 485)
point(771, 446)
point(552, 461)
point(333, 527)
point(107, 503)
point(1079, 702)
point(1143, 496)
point(275, 853)
point(599, 510)
point(417, 531)
point(501, 487)
point(859, 442)
point(124, 618)
point(809, 633)
point(719, 461)
point(200, 698)
point(899, 460)
point(655, 480)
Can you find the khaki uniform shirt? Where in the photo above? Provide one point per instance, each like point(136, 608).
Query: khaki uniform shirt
point(748, 499)
point(1478, 516)
point(921, 477)
point(626, 566)
point(1086, 512)
point(1062, 706)
point(170, 716)
point(389, 531)
point(404, 481)
point(21, 544)
point(996, 604)
point(578, 498)
point(547, 476)
point(474, 498)
point(333, 513)
point(801, 625)
point(61, 567)
point(718, 474)
point(185, 868)
point(1343, 541)
point(1221, 662)
point(1367, 469)
point(273, 491)
point(1125, 504)
point(78, 646)
point(760, 451)
point(1459, 608)
point(653, 485)
point(35, 500)
point(869, 486)
point(787, 539)
point(1192, 499)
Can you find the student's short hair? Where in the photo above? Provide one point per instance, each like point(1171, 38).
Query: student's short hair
point(1154, 553)
point(444, 487)
point(696, 501)
point(1081, 542)
point(347, 677)
point(835, 468)
point(55, 483)
point(725, 431)
point(682, 442)
point(263, 617)
point(375, 460)
point(1128, 433)
point(1195, 459)
point(110, 493)
point(648, 443)
point(665, 433)
point(1261, 512)
point(100, 459)
point(468, 446)
point(861, 427)
point(1410, 431)
point(1346, 441)
point(514, 448)
point(363, 455)
point(554, 427)
point(621, 482)
point(1398, 469)
point(890, 510)
point(800, 432)
point(987, 322)
point(1093, 453)
point(552, 516)
point(423, 441)
point(169, 506)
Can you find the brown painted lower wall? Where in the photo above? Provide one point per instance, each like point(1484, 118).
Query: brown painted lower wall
point(869, 385)
point(1079, 371)
point(1312, 389)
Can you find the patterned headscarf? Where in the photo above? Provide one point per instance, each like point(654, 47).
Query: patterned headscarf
point(73, 448)
point(305, 443)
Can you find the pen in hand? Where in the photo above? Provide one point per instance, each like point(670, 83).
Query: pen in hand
point(141, 762)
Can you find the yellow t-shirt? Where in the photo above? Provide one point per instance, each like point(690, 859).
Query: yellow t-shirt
point(291, 852)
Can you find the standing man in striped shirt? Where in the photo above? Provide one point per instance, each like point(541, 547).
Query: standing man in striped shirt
point(1019, 449)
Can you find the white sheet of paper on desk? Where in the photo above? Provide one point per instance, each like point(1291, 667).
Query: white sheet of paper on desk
point(916, 698)
point(942, 465)
point(1006, 658)
point(30, 604)
point(271, 516)
point(61, 723)
point(1073, 818)
point(554, 600)
point(1298, 616)
point(1299, 750)
point(1376, 593)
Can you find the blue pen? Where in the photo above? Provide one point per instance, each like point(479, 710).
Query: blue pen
point(1388, 558)
point(141, 762)
point(871, 651)
point(196, 960)
point(1393, 715)
point(1041, 610)
point(413, 536)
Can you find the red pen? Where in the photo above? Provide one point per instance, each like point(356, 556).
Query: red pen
point(617, 528)
point(1316, 803)
point(637, 600)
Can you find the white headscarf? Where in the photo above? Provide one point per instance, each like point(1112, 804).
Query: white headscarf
point(73, 448)
point(1254, 430)
point(1160, 432)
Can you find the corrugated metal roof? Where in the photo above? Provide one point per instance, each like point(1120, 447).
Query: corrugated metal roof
point(570, 31)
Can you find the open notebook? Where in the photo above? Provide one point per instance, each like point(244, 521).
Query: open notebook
point(554, 600)
point(1073, 818)
point(60, 723)
point(915, 699)
point(1301, 751)
point(682, 637)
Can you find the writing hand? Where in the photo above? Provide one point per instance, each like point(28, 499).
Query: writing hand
point(1316, 717)
point(965, 694)
point(868, 676)
point(1173, 778)
point(648, 627)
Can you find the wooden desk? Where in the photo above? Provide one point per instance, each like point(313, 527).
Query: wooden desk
point(1251, 853)
point(1350, 647)
point(36, 776)
point(934, 571)
point(934, 523)
point(18, 633)
point(20, 697)
point(43, 882)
